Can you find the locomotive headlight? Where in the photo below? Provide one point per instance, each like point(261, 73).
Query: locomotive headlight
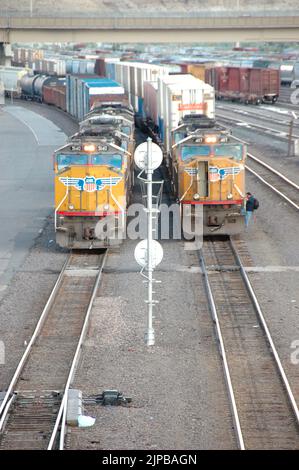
point(196, 197)
point(229, 196)
point(89, 148)
point(211, 139)
point(71, 207)
point(106, 207)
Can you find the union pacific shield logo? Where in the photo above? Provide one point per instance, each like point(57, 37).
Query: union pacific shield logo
point(214, 174)
point(90, 183)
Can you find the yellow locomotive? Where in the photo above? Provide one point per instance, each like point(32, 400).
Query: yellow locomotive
point(208, 168)
point(93, 180)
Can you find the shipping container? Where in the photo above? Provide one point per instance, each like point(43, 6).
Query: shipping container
point(83, 91)
point(151, 101)
point(181, 95)
point(97, 100)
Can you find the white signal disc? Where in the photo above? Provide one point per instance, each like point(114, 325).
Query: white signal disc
point(141, 157)
point(141, 253)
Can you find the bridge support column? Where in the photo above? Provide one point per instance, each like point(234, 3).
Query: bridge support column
point(5, 54)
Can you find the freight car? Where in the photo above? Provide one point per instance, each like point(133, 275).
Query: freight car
point(32, 86)
point(55, 95)
point(11, 79)
point(246, 85)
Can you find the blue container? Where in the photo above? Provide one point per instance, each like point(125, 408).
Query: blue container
point(140, 106)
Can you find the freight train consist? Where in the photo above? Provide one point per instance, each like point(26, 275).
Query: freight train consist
point(94, 170)
point(206, 166)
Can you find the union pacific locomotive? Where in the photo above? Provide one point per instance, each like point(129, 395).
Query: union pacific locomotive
point(208, 168)
point(93, 180)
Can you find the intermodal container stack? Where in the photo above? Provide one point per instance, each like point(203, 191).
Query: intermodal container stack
point(181, 95)
point(83, 90)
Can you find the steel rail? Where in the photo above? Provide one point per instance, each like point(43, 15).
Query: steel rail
point(264, 325)
point(259, 127)
point(227, 375)
point(273, 188)
point(3, 408)
point(276, 172)
point(61, 417)
point(252, 113)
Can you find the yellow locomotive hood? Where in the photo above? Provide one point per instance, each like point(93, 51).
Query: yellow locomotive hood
point(89, 189)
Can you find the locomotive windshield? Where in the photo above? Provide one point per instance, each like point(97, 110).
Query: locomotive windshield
point(234, 151)
point(64, 161)
point(106, 159)
point(189, 151)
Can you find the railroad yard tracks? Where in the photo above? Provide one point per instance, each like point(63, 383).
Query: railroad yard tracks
point(33, 411)
point(264, 409)
point(274, 180)
point(282, 133)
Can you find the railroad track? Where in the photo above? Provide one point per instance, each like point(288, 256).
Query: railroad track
point(275, 115)
point(264, 409)
point(273, 179)
point(261, 128)
point(33, 412)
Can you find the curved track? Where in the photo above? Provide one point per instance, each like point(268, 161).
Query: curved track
point(35, 403)
point(263, 406)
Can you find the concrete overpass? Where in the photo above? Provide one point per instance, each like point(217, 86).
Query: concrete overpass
point(150, 29)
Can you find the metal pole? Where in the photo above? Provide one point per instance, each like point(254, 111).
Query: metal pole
point(150, 334)
point(290, 137)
